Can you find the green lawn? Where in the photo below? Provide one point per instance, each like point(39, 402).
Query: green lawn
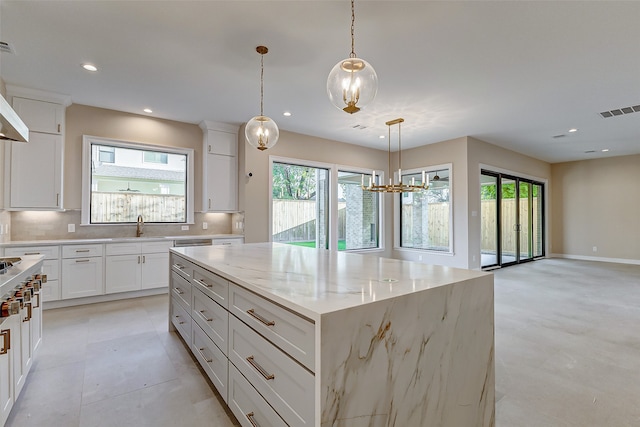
point(342, 244)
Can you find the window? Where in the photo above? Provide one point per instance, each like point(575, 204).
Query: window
point(107, 154)
point(300, 205)
point(425, 217)
point(323, 206)
point(155, 157)
point(358, 213)
point(119, 183)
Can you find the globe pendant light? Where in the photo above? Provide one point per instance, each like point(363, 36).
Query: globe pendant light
point(261, 131)
point(352, 83)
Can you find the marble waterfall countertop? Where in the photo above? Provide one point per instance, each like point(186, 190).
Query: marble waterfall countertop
point(316, 282)
point(13, 275)
point(116, 240)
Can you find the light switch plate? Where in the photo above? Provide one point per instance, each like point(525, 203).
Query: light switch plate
point(205, 225)
point(71, 228)
point(185, 228)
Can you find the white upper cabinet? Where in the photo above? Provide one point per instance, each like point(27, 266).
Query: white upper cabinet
point(220, 167)
point(39, 116)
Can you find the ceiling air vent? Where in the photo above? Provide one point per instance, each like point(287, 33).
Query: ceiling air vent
point(620, 111)
point(559, 136)
point(6, 47)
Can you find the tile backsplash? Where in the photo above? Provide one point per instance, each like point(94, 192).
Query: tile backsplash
point(49, 225)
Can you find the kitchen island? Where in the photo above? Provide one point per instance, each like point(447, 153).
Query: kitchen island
point(305, 337)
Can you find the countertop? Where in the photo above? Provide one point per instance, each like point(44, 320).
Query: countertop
point(116, 240)
point(314, 282)
point(11, 277)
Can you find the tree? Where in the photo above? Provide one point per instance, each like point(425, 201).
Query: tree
point(292, 182)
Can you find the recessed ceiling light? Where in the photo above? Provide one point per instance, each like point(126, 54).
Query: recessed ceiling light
point(604, 150)
point(148, 110)
point(381, 137)
point(573, 130)
point(89, 67)
point(286, 113)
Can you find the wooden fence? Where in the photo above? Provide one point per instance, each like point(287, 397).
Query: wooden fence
point(489, 226)
point(125, 207)
point(295, 220)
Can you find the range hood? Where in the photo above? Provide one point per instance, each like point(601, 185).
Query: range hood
point(12, 128)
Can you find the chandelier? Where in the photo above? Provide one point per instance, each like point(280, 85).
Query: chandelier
point(393, 186)
point(352, 83)
point(261, 131)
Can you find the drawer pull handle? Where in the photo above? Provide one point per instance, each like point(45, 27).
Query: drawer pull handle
point(252, 420)
point(178, 291)
point(37, 294)
point(267, 376)
point(205, 317)
point(255, 315)
point(181, 323)
point(83, 260)
point(82, 250)
point(201, 351)
point(203, 283)
point(29, 313)
point(32, 253)
point(179, 266)
point(6, 336)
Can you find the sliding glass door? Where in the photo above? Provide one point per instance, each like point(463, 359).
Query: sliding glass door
point(512, 210)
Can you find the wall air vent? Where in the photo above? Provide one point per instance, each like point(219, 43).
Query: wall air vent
point(559, 136)
point(6, 47)
point(620, 111)
point(590, 151)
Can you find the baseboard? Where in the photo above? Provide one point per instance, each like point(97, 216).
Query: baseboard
point(598, 259)
point(103, 298)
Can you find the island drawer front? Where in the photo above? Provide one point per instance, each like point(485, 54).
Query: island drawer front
point(49, 252)
point(212, 284)
point(181, 291)
point(81, 251)
point(213, 319)
point(181, 320)
point(291, 389)
point(293, 334)
point(245, 402)
point(213, 361)
point(182, 267)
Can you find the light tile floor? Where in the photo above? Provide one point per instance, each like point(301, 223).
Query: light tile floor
point(567, 354)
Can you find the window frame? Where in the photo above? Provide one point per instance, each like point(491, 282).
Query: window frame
point(333, 169)
point(88, 141)
point(397, 210)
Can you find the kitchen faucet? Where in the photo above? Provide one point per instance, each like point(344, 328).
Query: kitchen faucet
point(140, 226)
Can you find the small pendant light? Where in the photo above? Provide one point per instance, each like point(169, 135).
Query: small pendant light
point(261, 131)
point(352, 83)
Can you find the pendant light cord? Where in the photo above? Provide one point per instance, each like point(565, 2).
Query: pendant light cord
point(353, 20)
point(261, 84)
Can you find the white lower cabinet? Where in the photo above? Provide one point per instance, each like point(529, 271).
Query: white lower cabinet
point(263, 383)
point(82, 271)
point(8, 351)
point(132, 266)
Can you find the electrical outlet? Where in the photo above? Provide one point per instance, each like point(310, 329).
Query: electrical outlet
point(185, 228)
point(595, 249)
point(205, 225)
point(71, 228)
point(1, 229)
point(419, 257)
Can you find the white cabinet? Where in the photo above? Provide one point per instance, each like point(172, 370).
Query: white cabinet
point(132, 266)
point(40, 116)
point(82, 271)
point(8, 351)
point(34, 171)
point(220, 167)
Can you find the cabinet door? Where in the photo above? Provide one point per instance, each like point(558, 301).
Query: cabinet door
point(81, 277)
point(40, 116)
point(36, 175)
point(222, 183)
point(36, 321)
point(123, 273)
point(219, 142)
point(26, 339)
point(155, 270)
point(19, 374)
point(6, 367)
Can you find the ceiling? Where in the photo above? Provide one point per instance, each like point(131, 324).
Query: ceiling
point(513, 73)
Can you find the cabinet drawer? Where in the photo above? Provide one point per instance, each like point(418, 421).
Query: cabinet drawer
point(181, 290)
point(81, 251)
point(181, 266)
point(51, 268)
point(156, 247)
point(212, 318)
point(212, 284)
point(285, 384)
point(127, 248)
point(246, 403)
point(213, 361)
point(293, 334)
point(49, 252)
point(181, 320)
